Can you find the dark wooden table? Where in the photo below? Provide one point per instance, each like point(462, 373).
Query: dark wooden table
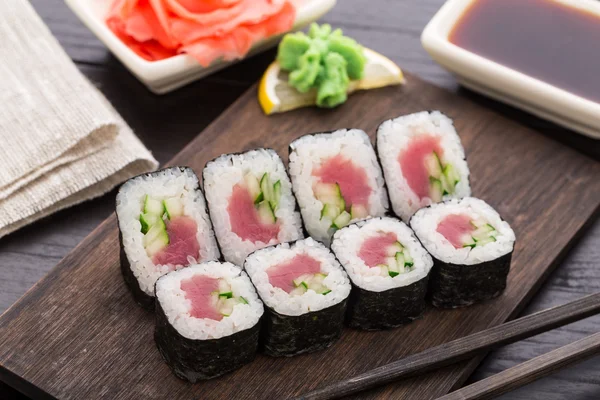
point(166, 123)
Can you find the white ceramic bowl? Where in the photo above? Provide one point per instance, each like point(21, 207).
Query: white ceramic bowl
point(505, 84)
point(166, 75)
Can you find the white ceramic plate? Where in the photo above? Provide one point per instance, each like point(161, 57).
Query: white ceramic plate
point(505, 84)
point(166, 75)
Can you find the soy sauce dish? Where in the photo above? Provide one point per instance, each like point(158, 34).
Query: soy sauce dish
point(542, 56)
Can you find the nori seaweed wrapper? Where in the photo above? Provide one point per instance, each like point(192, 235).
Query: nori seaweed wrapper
point(391, 308)
point(139, 295)
point(454, 285)
point(285, 335)
point(196, 360)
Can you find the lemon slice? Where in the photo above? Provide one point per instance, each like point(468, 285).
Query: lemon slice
point(276, 95)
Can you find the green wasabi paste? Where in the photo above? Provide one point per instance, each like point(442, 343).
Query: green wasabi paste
point(325, 60)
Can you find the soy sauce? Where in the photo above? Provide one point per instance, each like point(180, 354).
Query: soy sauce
point(545, 39)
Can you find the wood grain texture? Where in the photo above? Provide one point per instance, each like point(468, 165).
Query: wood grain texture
point(475, 344)
point(389, 26)
point(42, 340)
point(529, 371)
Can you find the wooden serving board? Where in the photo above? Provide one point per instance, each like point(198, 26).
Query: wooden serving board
point(79, 335)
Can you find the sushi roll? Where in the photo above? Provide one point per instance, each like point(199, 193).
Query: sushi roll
point(471, 247)
point(336, 179)
point(251, 203)
point(423, 161)
point(388, 269)
point(304, 289)
point(163, 226)
point(207, 320)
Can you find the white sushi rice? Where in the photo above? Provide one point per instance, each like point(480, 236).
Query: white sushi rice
point(307, 155)
point(177, 307)
point(348, 241)
point(169, 182)
point(394, 135)
point(426, 221)
point(222, 174)
point(278, 299)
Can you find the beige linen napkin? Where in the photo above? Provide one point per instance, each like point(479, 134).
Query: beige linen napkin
point(61, 142)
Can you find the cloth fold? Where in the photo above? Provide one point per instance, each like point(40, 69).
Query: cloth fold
point(61, 142)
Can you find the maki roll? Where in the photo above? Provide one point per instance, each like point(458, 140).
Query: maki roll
point(304, 289)
point(423, 161)
point(163, 226)
point(251, 203)
point(471, 248)
point(336, 179)
point(388, 269)
point(206, 320)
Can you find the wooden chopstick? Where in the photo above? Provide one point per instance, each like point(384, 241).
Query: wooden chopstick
point(463, 348)
point(529, 371)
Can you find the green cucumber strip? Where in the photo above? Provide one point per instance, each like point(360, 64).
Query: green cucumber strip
point(393, 273)
point(478, 222)
point(173, 207)
point(342, 220)
point(265, 213)
point(433, 165)
point(226, 295)
point(300, 290)
point(304, 285)
point(159, 243)
point(407, 258)
point(153, 206)
point(394, 248)
point(392, 264)
point(243, 300)
point(384, 270)
point(302, 278)
point(436, 192)
point(325, 292)
point(259, 198)
point(447, 188)
point(328, 193)
point(276, 195)
point(471, 242)
point(330, 211)
point(451, 174)
point(224, 287)
point(318, 288)
point(253, 187)
point(147, 220)
point(482, 233)
point(400, 260)
point(225, 306)
point(486, 241)
point(317, 279)
point(341, 202)
point(266, 188)
point(155, 231)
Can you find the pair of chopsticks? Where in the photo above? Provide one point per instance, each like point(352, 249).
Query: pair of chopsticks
point(469, 346)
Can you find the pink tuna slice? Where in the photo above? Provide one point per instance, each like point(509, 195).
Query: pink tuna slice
point(412, 162)
point(244, 218)
point(373, 251)
point(351, 178)
point(282, 276)
point(199, 291)
point(454, 227)
point(183, 243)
